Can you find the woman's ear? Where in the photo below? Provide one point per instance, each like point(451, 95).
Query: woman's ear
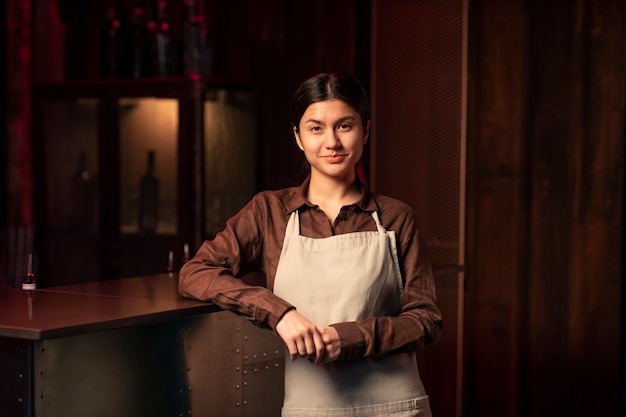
point(296, 134)
point(366, 135)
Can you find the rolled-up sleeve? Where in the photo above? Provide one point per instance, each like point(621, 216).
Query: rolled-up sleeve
point(215, 272)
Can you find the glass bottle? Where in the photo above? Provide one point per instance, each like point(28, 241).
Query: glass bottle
point(113, 44)
point(140, 44)
point(148, 198)
point(82, 215)
point(196, 51)
point(163, 40)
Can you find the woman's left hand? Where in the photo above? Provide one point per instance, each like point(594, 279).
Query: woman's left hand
point(332, 345)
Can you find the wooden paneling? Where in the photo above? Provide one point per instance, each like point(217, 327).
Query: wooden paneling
point(417, 155)
point(495, 207)
point(545, 208)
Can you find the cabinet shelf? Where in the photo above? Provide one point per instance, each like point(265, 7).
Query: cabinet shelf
point(202, 135)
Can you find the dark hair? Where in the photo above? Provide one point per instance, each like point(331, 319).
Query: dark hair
point(328, 86)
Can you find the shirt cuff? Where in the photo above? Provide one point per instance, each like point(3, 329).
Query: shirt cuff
point(352, 342)
point(272, 312)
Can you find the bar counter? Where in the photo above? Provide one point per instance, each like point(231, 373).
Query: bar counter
point(132, 347)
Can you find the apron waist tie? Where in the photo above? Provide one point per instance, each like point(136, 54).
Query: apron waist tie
point(390, 409)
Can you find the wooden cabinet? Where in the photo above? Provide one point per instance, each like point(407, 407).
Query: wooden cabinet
point(92, 145)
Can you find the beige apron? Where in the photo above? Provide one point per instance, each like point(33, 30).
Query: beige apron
point(341, 278)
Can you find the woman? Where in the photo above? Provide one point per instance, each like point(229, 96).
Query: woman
point(349, 286)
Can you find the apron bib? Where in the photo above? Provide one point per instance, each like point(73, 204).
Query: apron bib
point(346, 277)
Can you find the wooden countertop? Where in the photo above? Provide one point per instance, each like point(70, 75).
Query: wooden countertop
point(95, 306)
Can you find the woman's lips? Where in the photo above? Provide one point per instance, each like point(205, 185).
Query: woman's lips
point(333, 159)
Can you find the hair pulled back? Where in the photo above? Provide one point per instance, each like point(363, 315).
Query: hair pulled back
point(327, 86)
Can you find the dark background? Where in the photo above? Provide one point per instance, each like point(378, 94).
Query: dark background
point(544, 177)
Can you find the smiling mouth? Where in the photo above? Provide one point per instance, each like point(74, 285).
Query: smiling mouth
point(334, 157)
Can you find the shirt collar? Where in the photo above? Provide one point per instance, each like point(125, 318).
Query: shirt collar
point(366, 203)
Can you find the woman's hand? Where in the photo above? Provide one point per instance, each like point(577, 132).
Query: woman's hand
point(332, 345)
point(301, 336)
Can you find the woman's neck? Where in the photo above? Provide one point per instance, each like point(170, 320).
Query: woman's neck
point(331, 195)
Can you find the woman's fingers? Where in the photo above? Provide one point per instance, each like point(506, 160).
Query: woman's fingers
point(301, 336)
point(332, 345)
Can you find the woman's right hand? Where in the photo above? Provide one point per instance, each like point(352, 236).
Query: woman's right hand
point(301, 336)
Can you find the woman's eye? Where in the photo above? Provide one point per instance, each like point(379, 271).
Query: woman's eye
point(344, 126)
point(315, 129)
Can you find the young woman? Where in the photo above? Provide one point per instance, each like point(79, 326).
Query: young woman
point(349, 285)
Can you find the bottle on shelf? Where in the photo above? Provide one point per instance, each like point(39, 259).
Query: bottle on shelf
point(163, 41)
point(148, 197)
point(115, 45)
point(142, 40)
point(196, 50)
point(82, 197)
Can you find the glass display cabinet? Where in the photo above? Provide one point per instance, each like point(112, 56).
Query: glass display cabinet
point(132, 175)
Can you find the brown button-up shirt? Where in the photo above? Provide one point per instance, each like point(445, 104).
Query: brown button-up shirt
point(252, 242)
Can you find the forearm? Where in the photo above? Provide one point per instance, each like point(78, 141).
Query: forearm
point(216, 284)
point(378, 336)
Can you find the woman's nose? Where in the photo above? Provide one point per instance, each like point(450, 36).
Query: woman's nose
point(332, 140)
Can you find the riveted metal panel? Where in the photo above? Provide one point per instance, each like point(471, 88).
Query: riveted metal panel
point(124, 372)
point(263, 372)
point(234, 368)
point(15, 377)
point(213, 364)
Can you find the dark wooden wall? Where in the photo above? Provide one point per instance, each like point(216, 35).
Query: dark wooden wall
point(545, 208)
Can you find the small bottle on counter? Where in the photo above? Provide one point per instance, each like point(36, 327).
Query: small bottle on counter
point(28, 279)
point(170, 262)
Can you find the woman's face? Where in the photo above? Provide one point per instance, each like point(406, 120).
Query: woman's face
point(331, 135)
